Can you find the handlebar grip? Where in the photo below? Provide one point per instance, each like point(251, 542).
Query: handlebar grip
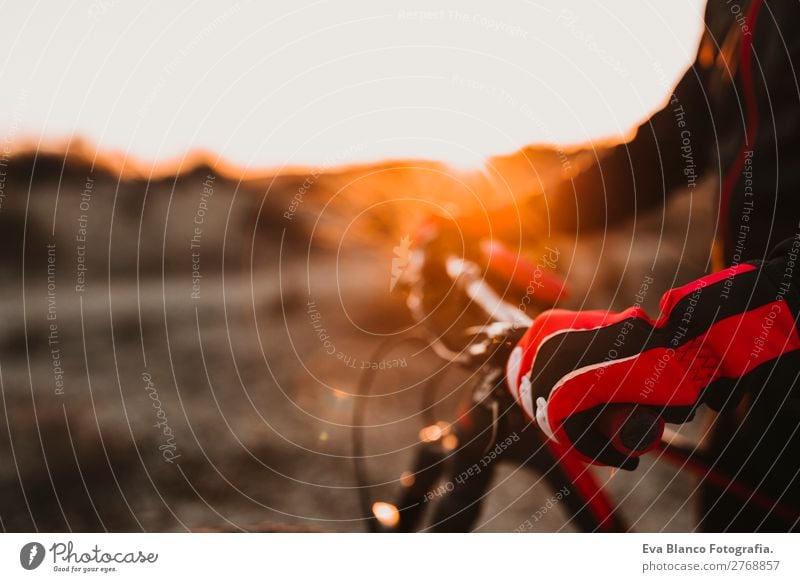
point(632, 430)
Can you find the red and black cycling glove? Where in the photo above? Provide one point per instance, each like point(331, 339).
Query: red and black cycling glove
point(712, 338)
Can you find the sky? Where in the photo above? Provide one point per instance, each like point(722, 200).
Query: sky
point(324, 82)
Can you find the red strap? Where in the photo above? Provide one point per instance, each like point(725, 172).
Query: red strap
point(586, 485)
point(751, 124)
point(686, 459)
point(538, 281)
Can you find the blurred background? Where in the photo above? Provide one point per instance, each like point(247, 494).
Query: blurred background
point(199, 206)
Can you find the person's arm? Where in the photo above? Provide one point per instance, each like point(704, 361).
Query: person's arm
point(718, 338)
point(669, 150)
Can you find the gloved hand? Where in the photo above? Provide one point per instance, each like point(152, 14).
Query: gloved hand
point(572, 370)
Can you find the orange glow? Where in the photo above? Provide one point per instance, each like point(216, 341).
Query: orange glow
point(407, 479)
point(450, 442)
point(434, 432)
point(430, 434)
point(386, 513)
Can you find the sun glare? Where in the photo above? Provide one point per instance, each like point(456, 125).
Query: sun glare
point(269, 84)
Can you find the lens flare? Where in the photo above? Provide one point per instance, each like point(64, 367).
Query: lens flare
point(434, 432)
point(450, 442)
point(430, 434)
point(386, 513)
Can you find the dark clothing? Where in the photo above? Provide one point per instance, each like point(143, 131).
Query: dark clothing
point(736, 115)
point(702, 130)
